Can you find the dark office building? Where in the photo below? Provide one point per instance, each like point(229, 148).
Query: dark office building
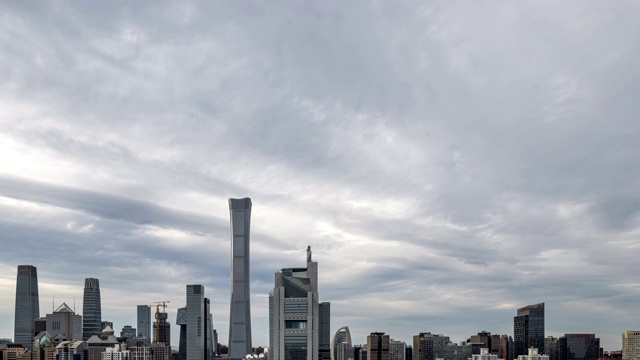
point(581, 347)
point(324, 331)
point(27, 305)
point(528, 329)
point(551, 347)
point(91, 309)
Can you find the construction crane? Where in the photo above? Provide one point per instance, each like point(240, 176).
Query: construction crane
point(160, 316)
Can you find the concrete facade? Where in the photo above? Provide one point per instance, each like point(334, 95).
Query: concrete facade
point(295, 316)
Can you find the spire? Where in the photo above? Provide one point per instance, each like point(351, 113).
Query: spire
point(308, 253)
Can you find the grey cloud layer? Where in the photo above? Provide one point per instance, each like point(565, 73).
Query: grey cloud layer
point(448, 162)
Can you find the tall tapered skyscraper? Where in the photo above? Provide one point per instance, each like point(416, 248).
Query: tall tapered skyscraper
point(27, 305)
point(91, 309)
point(240, 318)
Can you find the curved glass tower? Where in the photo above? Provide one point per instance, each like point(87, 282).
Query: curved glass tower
point(240, 318)
point(27, 305)
point(91, 309)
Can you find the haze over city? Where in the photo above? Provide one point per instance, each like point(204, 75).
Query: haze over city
point(447, 162)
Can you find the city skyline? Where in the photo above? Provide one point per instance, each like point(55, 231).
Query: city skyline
point(448, 162)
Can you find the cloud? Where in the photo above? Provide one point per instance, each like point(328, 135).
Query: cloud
point(447, 163)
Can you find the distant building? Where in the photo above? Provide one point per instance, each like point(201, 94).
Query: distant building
point(128, 331)
point(484, 355)
point(295, 314)
point(551, 347)
point(528, 329)
point(144, 321)
point(532, 354)
point(342, 336)
point(196, 323)
point(378, 346)
point(140, 352)
point(240, 308)
point(91, 309)
point(117, 352)
point(631, 345)
point(506, 347)
point(579, 347)
point(10, 351)
point(161, 327)
point(71, 350)
point(104, 325)
point(324, 331)
point(65, 321)
point(27, 305)
point(97, 344)
point(428, 346)
point(397, 350)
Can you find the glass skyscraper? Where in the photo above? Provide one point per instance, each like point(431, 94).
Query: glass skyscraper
point(27, 305)
point(91, 309)
point(240, 309)
point(528, 329)
point(144, 321)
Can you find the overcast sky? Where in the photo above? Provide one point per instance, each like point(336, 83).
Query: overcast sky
point(448, 162)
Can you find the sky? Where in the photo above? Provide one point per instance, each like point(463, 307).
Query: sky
point(447, 161)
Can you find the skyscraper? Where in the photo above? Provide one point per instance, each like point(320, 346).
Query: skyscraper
point(528, 329)
point(294, 314)
point(91, 309)
point(196, 323)
point(196, 328)
point(240, 317)
point(144, 321)
point(27, 305)
point(631, 345)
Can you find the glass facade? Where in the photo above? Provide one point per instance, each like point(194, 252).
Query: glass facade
point(91, 309)
point(581, 347)
point(528, 329)
point(27, 305)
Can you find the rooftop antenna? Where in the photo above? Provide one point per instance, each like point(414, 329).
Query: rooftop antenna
point(74, 304)
point(53, 303)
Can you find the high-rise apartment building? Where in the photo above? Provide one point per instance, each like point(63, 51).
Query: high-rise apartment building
point(144, 321)
point(528, 329)
point(378, 346)
point(631, 345)
point(294, 314)
point(27, 305)
point(240, 309)
point(91, 309)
